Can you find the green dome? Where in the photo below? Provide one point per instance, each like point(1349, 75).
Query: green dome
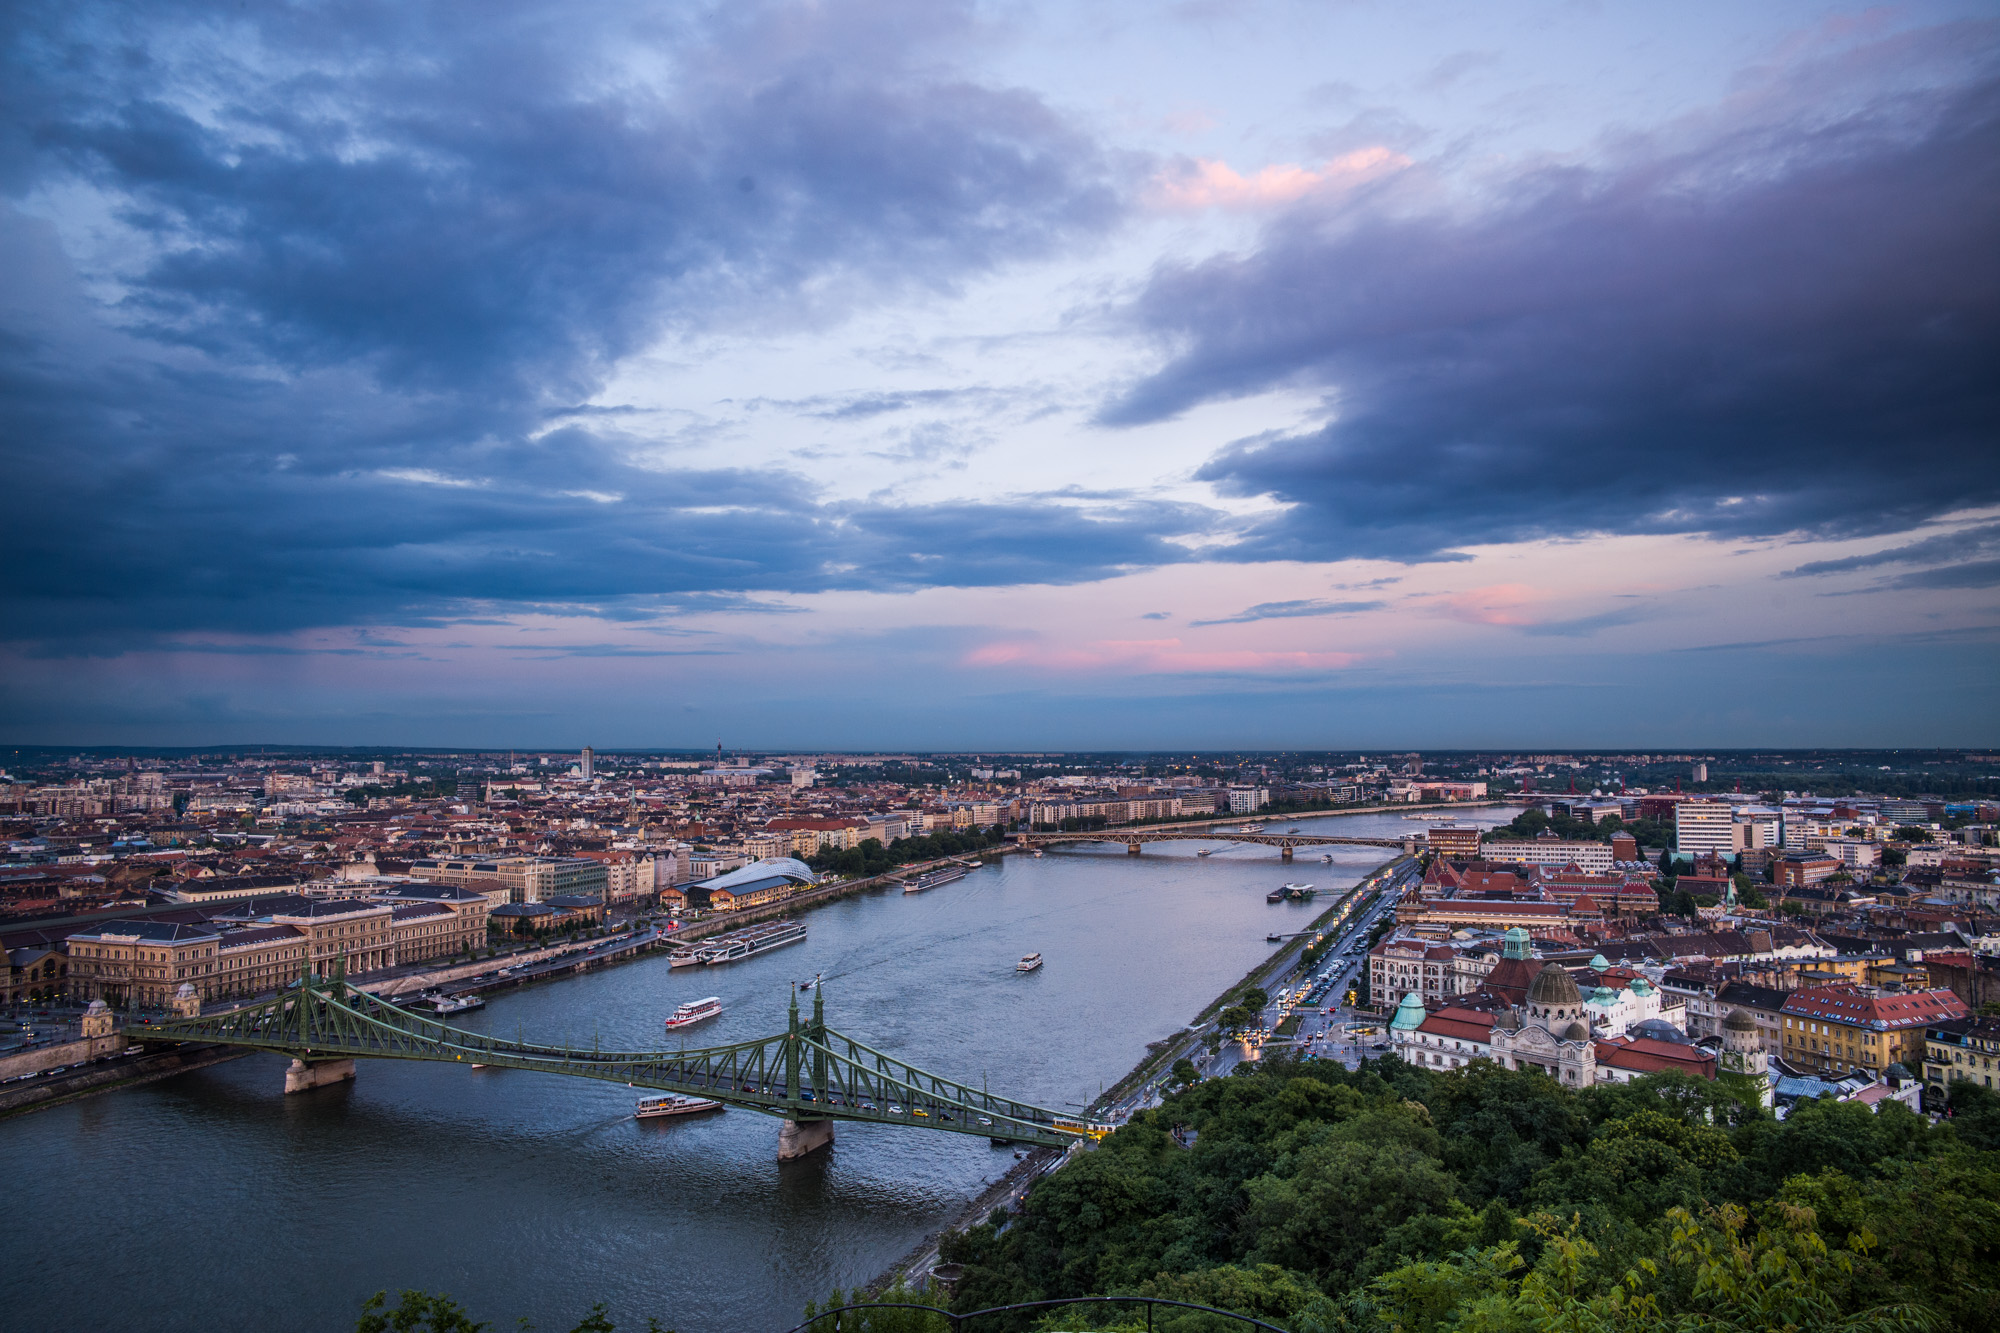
point(1409, 1014)
point(1600, 964)
point(1641, 987)
point(1515, 943)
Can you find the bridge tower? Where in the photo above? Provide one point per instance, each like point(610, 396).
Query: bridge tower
point(304, 1075)
point(798, 1137)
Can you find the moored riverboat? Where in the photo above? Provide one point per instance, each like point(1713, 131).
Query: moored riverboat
point(747, 943)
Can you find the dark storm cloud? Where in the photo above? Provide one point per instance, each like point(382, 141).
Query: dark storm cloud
point(1293, 610)
point(346, 262)
point(1944, 546)
point(1975, 574)
point(1786, 323)
point(294, 507)
point(460, 199)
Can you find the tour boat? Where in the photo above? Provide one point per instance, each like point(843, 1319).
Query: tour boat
point(456, 1004)
point(1297, 888)
point(1029, 963)
point(1206, 851)
point(654, 1107)
point(694, 1011)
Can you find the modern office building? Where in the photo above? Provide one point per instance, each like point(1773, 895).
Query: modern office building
point(1705, 826)
point(529, 879)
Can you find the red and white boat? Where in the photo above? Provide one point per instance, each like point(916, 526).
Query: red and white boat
point(694, 1011)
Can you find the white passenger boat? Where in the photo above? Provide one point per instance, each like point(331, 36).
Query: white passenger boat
point(950, 875)
point(1029, 963)
point(752, 940)
point(456, 1004)
point(695, 1011)
point(653, 1108)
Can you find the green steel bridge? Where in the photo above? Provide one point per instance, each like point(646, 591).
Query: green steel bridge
point(809, 1075)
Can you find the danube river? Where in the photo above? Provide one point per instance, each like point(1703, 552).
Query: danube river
point(211, 1201)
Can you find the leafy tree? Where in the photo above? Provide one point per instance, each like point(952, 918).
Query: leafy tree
point(415, 1312)
point(836, 1317)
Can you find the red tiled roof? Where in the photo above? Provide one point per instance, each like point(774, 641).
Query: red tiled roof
point(1459, 1025)
point(1854, 1006)
point(1649, 1056)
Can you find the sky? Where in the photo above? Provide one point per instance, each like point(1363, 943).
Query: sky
point(916, 374)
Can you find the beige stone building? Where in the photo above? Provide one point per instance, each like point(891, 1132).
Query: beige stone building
point(143, 963)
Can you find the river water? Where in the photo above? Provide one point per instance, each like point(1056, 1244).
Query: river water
point(210, 1201)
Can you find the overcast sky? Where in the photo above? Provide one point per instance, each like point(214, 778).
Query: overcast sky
point(912, 374)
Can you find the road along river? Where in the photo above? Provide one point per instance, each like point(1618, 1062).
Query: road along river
point(211, 1201)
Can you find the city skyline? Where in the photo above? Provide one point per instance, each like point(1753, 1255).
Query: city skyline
point(885, 376)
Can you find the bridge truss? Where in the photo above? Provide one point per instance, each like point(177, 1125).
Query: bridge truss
point(806, 1074)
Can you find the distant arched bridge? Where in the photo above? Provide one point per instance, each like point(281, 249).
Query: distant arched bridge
point(1135, 838)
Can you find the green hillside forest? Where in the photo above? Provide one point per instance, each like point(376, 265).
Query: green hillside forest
point(1398, 1199)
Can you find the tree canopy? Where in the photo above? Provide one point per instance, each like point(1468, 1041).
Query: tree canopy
point(1398, 1198)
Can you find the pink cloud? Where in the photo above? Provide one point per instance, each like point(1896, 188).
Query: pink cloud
point(1498, 604)
point(1212, 183)
point(1147, 656)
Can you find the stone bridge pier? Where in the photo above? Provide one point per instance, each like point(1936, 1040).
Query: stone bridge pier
point(796, 1138)
point(305, 1075)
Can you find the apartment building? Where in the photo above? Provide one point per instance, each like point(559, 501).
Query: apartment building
point(529, 879)
point(1965, 1049)
point(1843, 1026)
point(1705, 826)
point(1453, 841)
point(1590, 857)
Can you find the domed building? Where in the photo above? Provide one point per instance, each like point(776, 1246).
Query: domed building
point(760, 882)
point(1549, 1028)
point(1553, 1032)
